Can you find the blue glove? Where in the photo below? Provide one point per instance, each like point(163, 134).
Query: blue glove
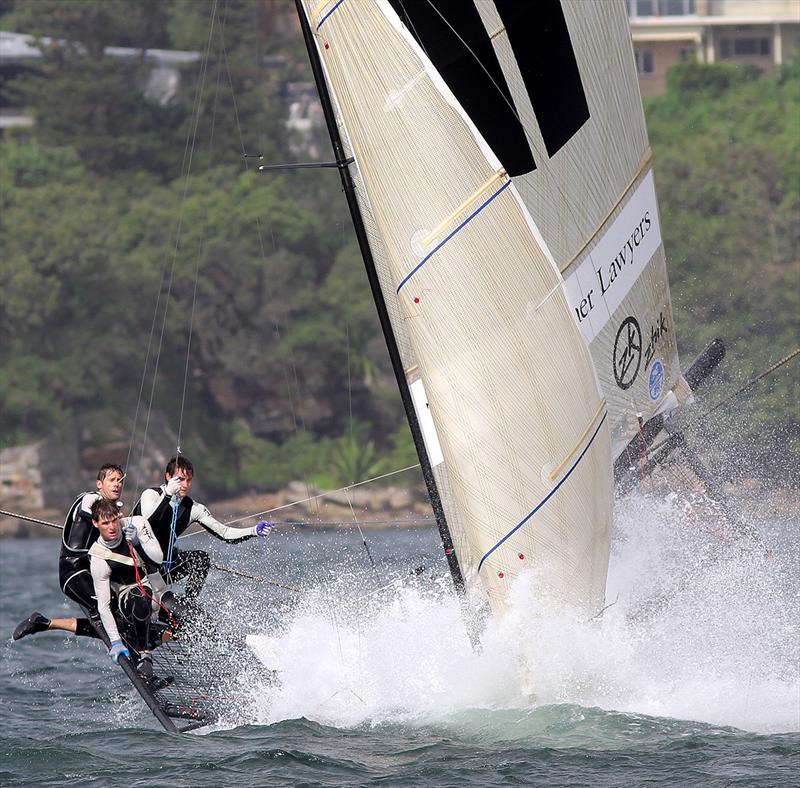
point(118, 650)
point(130, 534)
point(264, 527)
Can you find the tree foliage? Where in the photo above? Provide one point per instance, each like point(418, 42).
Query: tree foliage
point(727, 163)
point(136, 237)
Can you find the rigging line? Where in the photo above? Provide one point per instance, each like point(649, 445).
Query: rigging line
point(466, 46)
point(411, 522)
point(195, 104)
point(249, 576)
point(361, 533)
point(755, 380)
point(198, 256)
point(189, 346)
point(349, 383)
point(188, 165)
point(697, 420)
point(293, 407)
point(313, 497)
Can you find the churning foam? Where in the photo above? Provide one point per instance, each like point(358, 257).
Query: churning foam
point(720, 647)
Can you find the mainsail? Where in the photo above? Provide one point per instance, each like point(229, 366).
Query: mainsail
point(554, 85)
point(514, 416)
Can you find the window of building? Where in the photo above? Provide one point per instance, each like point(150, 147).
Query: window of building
point(756, 46)
point(645, 62)
point(660, 7)
point(687, 54)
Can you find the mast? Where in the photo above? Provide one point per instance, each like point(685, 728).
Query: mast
point(380, 304)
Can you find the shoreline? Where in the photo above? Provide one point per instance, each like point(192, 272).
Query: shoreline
point(377, 508)
point(297, 504)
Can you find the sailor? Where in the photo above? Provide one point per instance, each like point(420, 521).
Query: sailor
point(73, 565)
point(170, 511)
point(123, 563)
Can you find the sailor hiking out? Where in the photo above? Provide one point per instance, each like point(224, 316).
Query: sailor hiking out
point(78, 536)
point(128, 588)
point(170, 511)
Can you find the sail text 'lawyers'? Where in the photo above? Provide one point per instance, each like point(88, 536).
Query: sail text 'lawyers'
point(624, 257)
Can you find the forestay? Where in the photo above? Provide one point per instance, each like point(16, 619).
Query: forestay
point(502, 378)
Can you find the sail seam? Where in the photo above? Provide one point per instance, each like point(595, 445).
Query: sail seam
point(547, 497)
point(443, 242)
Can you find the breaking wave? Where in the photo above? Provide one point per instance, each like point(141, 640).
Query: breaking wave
point(719, 644)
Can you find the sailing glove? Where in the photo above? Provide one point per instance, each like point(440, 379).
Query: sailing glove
point(264, 527)
point(118, 650)
point(173, 486)
point(131, 534)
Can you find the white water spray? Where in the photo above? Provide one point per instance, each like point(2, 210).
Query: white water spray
point(722, 648)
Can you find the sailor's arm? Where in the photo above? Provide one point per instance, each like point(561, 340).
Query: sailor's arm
point(101, 577)
point(154, 503)
point(143, 536)
point(224, 532)
point(78, 531)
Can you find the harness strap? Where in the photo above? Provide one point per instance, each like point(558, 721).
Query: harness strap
point(100, 551)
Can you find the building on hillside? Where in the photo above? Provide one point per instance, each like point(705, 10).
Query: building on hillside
point(20, 53)
point(764, 33)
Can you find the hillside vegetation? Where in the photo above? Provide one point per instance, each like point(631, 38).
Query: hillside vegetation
point(131, 244)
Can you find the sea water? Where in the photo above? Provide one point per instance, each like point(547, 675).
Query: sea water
point(380, 684)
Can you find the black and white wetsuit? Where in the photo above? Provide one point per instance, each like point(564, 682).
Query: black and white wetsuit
point(193, 565)
point(78, 536)
point(114, 567)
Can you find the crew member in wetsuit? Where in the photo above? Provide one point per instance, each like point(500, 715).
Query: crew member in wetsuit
point(73, 565)
point(170, 511)
point(123, 564)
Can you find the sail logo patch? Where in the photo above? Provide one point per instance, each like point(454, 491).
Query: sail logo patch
point(655, 380)
point(657, 331)
point(627, 357)
point(599, 283)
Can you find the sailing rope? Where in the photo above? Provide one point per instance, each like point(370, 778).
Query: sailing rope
point(141, 587)
point(314, 497)
point(361, 533)
point(270, 299)
point(755, 380)
point(642, 450)
point(199, 254)
point(555, 183)
point(699, 419)
point(173, 536)
point(186, 164)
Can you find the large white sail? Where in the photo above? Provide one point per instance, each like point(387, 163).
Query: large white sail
point(501, 365)
point(571, 76)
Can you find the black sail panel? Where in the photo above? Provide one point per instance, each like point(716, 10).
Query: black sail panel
point(540, 40)
point(455, 40)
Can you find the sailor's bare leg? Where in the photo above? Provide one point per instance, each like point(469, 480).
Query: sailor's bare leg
point(37, 622)
point(67, 624)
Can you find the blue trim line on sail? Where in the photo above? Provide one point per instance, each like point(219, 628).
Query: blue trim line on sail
point(548, 496)
point(442, 243)
point(322, 21)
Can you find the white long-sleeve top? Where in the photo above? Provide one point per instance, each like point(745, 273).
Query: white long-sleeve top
point(151, 500)
point(100, 568)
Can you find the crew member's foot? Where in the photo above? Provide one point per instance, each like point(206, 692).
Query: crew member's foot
point(36, 622)
point(145, 666)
